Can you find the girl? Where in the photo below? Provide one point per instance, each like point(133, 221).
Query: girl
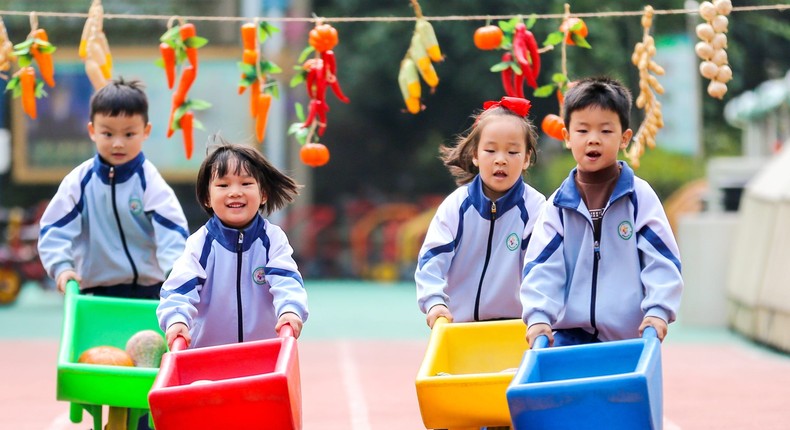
point(236, 280)
point(469, 267)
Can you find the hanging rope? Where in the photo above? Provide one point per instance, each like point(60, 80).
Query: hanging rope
point(778, 7)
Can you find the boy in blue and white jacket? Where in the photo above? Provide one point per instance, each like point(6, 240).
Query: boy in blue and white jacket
point(603, 263)
point(114, 225)
point(237, 280)
point(469, 266)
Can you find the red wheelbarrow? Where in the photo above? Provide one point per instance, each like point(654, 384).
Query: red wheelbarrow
point(248, 385)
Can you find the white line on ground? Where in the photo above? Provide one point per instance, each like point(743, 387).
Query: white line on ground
point(669, 425)
point(356, 394)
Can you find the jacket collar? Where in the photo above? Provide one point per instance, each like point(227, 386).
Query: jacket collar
point(483, 204)
point(568, 195)
point(122, 172)
point(229, 237)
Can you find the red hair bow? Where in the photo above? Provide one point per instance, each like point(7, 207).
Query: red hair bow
point(517, 105)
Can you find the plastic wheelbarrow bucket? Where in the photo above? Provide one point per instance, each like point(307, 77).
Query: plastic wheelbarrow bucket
point(611, 385)
point(90, 321)
point(466, 371)
point(248, 385)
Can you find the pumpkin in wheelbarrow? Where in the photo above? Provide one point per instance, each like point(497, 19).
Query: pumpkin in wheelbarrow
point(108, 355)
point(146, 348)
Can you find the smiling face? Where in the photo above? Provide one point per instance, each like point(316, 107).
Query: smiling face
point(501, 154)
point(235, 197)
point(118, 138)
point(595, 136)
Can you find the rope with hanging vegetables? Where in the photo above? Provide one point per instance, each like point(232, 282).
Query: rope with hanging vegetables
point(418, 62)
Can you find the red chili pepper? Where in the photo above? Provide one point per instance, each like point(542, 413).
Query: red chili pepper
point(330, 60)
point(534, 54)
point(518, 85)
point(520, 51)
point(169, 59)
point(321, 110)
point(311, 113)
point(320, 81)
point(310, 83)
point(186, 129)
point(507, 76)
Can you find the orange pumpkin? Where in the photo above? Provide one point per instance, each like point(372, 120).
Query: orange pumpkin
point(314, 154)
point(108, 355)
point(488, 37)
point(552, 125)
point(323, 37)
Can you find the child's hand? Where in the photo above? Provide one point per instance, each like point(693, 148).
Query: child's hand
point(175, 330)
point(438, 311)
point(540, 329)
point(66, 276)
point(658, 324)
point(291, 319)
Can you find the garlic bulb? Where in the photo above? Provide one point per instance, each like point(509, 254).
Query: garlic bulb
point(712, 47)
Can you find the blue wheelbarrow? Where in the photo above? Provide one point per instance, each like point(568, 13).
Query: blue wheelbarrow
point(611, 385)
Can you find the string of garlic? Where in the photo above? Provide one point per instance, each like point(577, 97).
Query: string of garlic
point(712, 49)
point(642, 58)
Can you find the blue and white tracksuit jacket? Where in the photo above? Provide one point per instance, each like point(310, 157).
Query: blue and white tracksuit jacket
point(473, 252)
point(113, 225)
point(605, 288)
point(232, 285)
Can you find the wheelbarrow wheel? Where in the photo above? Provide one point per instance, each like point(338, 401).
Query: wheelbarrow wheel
point(10, 284)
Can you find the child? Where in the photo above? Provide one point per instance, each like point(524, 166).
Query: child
point(114, 225)
point(236, 280)
point(603, 263)
point(469, 267)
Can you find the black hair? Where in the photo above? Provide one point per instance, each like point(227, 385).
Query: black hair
point(278, 188)
point(458, 158)
point(120, 97)
point(603, 92)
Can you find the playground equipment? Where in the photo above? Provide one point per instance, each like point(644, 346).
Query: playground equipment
point(465, 373)
point(90, 321)
point(387, 217)
point(611, 385)
point(248, 385)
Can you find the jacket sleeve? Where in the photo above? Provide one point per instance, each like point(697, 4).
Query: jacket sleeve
point(436, 256)
point(287, 285)
point(544, 276)
point(181, 290)
point(534, 204)
point(60, 225)
point(661, 269)
point(170, 224)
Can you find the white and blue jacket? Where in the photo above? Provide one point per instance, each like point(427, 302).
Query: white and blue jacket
point(473, 252)
point(113, 225)
point(605, 288)
point(232, 285)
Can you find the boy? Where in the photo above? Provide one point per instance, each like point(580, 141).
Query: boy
point(114, 225)
point(603, 263)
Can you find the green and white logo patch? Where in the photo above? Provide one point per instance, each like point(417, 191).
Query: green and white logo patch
point(513, 241)
point(135, 205)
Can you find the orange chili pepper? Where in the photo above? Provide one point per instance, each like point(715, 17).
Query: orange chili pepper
point(264, 101)
point(169, 59)
point(255, 91)
point(187, 31)
point(187, 78)
point(186, 122)
point(27, 81)
point(249, 33)
point(45, 64)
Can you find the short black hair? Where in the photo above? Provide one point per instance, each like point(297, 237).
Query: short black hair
point(120, 97)
point(225, 157)
point(603, 92)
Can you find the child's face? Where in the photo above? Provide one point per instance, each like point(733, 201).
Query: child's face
point(595, 136)
point(235, 199)
point(501, 154)
point(118, 138)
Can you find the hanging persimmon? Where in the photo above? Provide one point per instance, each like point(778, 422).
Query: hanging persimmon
point(323, 37)
point(488, 37)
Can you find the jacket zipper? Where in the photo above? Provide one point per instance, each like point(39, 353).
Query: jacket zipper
point(594, 286)
point(120, 229)
point(485, 264)
point(238, 287)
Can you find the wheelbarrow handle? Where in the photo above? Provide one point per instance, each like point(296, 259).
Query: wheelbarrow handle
point(649, 333)
point(541, 342)
point(286, 331)
point(179, 344)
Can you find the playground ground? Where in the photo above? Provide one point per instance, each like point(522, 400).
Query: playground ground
point(360, 352)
